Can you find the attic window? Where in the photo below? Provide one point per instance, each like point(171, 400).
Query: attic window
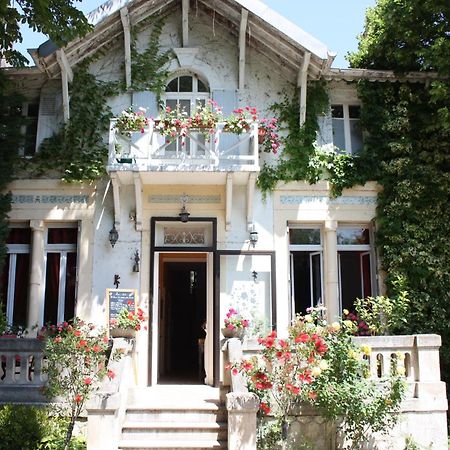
point(187, 83)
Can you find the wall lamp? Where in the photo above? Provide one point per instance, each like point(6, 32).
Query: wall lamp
point(113, 236)
point(253, 238)
point(184, 215)
point(136, 261)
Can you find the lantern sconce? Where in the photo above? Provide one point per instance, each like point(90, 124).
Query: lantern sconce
point(184, 214)
point(136, 261)
point(113, 236)
point(253, 238)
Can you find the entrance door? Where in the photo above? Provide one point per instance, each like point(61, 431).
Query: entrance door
point(182, 317)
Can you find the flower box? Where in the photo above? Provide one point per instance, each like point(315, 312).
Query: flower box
point(123, 332)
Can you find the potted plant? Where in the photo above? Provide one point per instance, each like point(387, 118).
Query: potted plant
point(130, 121)
point(241, 119)
point(126, 323)
point(234, 324)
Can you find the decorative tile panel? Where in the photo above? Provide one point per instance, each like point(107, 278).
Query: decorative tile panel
point(191, 198)
point(50, 199)
point(324, 200)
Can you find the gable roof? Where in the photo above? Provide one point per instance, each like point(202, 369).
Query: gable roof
point(270, 33)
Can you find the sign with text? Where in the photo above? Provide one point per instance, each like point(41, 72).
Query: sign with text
point(117, 299)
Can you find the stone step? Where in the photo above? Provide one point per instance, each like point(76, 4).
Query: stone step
point(172, 414)
point(165, 445)
point(173, 431)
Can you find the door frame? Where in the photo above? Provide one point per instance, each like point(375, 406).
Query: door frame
point(155, 251)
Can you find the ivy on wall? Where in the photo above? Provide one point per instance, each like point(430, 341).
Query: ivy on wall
point(302, 159)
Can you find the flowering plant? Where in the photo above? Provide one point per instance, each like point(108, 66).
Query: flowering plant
point(128, 319)
point(130, 120)
point(319, 363)
point(240, 120)
point(233, 320)
point(172, 122)
point(268, 135)
point(76, 361)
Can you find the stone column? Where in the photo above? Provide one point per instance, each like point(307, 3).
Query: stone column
point(331, 270)
point(37, 271)
point(242, 408)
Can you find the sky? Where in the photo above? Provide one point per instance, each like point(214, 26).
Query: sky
point(336, 23)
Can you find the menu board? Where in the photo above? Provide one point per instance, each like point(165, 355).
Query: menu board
point(117, 299)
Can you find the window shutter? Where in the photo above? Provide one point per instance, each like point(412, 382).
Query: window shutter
point(147, 100)
point(50, 115)
point(227, 100)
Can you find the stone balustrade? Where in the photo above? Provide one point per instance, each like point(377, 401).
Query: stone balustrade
point(21, 371)
point(150, 150)
point(423, 418)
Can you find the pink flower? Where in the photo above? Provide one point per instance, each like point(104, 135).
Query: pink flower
point(87, 381)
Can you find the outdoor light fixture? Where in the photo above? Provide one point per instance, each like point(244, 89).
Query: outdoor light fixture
point(113, 236)
point(253, 238)
point(136, 261)
point(184, 215)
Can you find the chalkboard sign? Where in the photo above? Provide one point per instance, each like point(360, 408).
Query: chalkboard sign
point(118, 299)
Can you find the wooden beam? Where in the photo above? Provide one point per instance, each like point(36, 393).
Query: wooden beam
point(185, 24)
point(138, 195)
point(125, 18)
point(250, 199)
point(66, 76)
point(228, 200)
point(116, 197)
point(242, 36)
point(302, 83)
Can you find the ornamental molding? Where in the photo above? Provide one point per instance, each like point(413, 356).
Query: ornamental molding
point(191, 198)
point(323, 200)
point(49, 199)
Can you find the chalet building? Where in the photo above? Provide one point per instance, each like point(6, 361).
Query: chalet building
point(182, 222)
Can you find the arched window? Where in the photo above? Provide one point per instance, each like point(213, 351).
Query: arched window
point(186, 92)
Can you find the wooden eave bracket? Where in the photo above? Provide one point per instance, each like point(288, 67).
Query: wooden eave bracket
point(242, 35)
point(125, 18)
point(250, 199)
point(185, 22)
point(66, 77)
point(138, 196)
point(116, 197)
point(228, 201)
point(302, 82)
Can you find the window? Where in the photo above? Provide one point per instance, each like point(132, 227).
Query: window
point(347, 134)
point(186, 92)
point(306, 253)
point(355, 264)
point(61, 273)
point(16, 275)
point(29, 130)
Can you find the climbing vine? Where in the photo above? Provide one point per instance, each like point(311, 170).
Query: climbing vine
point(302, 159)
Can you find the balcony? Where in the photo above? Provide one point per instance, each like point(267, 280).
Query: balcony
point(162, 161)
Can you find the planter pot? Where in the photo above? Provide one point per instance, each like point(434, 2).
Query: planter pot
point(123, 332)
point(235, 333)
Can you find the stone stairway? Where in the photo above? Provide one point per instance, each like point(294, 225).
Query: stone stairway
point(174, 417)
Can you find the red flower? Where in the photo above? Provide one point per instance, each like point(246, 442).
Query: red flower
point(110, 374)
point(78, 398)
point(302, 338)
point(312, 395)
point(77, 333)
point(82, 343)
point(57, 339)
point(96, 348)
point(87, 381)
point(265, 408)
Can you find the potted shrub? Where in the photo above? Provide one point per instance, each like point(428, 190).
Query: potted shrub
point(126, 323)
point(234, 324)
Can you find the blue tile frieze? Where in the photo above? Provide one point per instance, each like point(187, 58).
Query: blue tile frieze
point(190, 198)
point(324, 200)
point(49, 199)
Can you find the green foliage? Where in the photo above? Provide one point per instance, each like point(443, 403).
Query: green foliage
point(33, 428)
point(149, 69)
point(78, 149)
point(301, 159)
point(408, 141)
point(382, 314)
point(59, 19)
point(321, 364)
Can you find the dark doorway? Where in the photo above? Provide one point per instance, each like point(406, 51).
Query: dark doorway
point(182, 315)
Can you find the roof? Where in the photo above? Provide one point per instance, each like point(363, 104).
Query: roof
point(271, 34)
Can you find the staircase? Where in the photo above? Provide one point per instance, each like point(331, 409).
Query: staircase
point(174, 417)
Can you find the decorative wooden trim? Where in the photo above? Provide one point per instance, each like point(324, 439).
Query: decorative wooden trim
point(228, 201)
point(242, 35)
point(302, 82)
point(66, 76)
point(125, 18)
point(116, 195)
point(185, 22)
point(250, 199)
point(138, 195)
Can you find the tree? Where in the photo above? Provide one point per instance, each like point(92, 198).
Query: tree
point(408, 141)
point(59, 19)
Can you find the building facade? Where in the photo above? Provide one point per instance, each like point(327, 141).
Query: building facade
point(268, 256)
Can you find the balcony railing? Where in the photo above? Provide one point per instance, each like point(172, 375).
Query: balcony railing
point(151, 151)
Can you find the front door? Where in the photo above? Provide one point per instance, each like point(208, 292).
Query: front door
point(182, 317)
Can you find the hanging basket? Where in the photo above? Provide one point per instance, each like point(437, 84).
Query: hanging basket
point(233, 333)
point(123, 332)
